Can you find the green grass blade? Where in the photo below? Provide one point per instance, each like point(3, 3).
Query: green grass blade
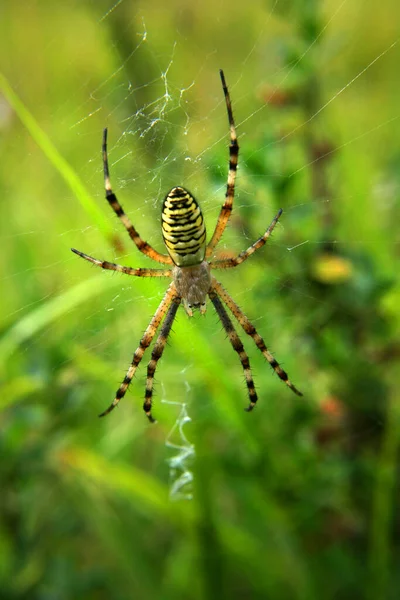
point(51, 152)
point(52, 310)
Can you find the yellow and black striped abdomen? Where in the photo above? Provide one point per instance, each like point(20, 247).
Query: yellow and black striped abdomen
point(183, 228)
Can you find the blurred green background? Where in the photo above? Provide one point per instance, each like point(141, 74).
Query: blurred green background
point(296, 500)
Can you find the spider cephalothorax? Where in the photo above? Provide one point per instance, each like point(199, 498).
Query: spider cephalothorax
point(184, 236)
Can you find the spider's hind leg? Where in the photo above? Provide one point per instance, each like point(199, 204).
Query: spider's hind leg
point(119, 211)
point(226, 209)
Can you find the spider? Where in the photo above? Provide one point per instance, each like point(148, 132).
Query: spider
point(189, 267)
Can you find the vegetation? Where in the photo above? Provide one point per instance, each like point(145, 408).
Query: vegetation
point(296, 500)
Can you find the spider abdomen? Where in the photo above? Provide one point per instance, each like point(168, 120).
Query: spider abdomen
point(183, 228)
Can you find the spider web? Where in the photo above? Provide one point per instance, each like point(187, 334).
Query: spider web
point(180, 474)
point(157, 89)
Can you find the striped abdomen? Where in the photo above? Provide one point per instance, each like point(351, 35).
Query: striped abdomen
point(183, 228)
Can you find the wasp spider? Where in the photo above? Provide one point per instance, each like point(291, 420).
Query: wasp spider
point(189, 267)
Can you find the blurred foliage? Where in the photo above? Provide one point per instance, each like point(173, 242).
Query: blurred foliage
point(296, 500)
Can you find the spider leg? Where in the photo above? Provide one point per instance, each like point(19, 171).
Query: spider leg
point(119, 211)
point(104, 264)
point(251, 331)
point(227, 263)
point(143, 345)
point(230, 187)
point(156, 355)
point(237, 346)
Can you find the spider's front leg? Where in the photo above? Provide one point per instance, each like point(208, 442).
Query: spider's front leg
point(236, 345)
point(144, 343)
point(157, 354)
point(249, 328)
